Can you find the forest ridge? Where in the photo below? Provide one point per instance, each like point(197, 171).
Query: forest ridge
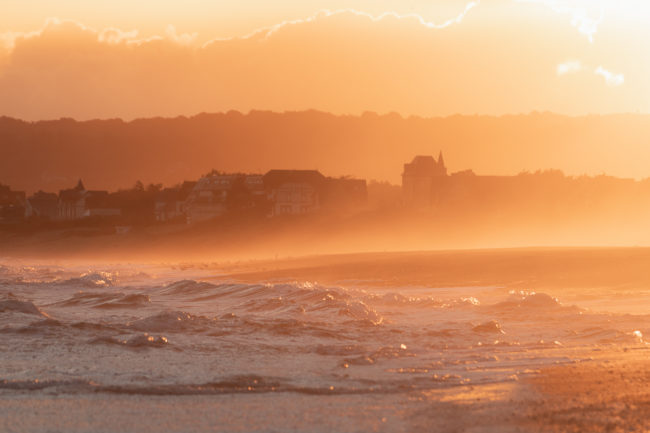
point(111, 154)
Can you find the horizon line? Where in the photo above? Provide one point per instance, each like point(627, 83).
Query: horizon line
point(362, 114)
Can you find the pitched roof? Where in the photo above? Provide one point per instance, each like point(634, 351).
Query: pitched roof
point(441, 161)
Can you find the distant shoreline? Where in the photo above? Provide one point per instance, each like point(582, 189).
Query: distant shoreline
point(556, 270)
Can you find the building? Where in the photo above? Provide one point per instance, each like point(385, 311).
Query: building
point(12, 204)
point(216, 193)
point(100, 204)
point(42, 205)
point(294, 192)
point(278, 192)
point(344, 194)
point(71, 202)
point(77, 203)
point(422, 180)
point(171, 203)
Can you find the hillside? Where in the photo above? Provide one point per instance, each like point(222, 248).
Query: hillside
point(109, 154)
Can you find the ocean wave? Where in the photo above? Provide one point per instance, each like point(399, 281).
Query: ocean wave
point(238, 384)
point(94, 327)
point(187, 287)
point(41, 328)
point(531, 302)
point(172, 321)
point(606, 336)
point(326, 309)
point(491, 327)
point(37, 385)
point(302, 301)
point(91, 280)
point(293, 327)
point(137, 341)
point(105, 300)
point(52, 327)
point(13, 305)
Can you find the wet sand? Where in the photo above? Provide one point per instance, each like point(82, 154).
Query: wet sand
point(586, 397)
point(607, 396)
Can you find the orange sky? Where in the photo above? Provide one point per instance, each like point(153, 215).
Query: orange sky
point(159, 57)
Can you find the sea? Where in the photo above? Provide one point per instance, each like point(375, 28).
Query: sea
point(137, 348)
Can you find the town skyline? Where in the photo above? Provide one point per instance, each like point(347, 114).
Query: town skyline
point(112, 154)
point(426, 184)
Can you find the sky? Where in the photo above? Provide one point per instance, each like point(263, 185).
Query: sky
point(118, 58)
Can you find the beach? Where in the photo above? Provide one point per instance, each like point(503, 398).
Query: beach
point(479, 340)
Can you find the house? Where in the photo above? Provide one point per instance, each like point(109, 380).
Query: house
point(71, 204)
point(344, 194)
point(100, 204)
point(422, 179)
point(42, 205)
point(77, 203)
point(171, 203)
point(294, 192)
point(216, 193)
point(12, 204)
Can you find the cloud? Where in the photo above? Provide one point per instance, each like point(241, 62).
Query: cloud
point(328, 13)
point(569, 67)
point(266, 32)
point(344, 62)
point(113, 35)
point(611, 78)
point(586, 15)
point(110, 35)
point(575, 66)
point(183, 38)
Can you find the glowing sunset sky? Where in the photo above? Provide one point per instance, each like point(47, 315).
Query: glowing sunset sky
point(132, 59)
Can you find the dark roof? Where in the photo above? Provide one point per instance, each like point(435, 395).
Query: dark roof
point(42, 196)
point(43, 203)
point(75, 194)
point(9, 197)
point(170, 195)
point(186, 187)
point(277, 177)
point(425, 165)
point(72, 194)
point(346, 182)
point(69, 195)
point(421, 165)
point(100, 200)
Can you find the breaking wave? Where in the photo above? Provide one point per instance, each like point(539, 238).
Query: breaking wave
point(106, 300)
point(172, 321)
point(13, 305)
point(91, 280)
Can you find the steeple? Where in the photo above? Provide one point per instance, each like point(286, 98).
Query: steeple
point(441, 165)
point(80, 186)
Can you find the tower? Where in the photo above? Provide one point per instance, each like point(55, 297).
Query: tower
point(423, 180)
point(442, 169)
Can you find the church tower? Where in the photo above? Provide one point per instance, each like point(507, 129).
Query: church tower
point(441, 167)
